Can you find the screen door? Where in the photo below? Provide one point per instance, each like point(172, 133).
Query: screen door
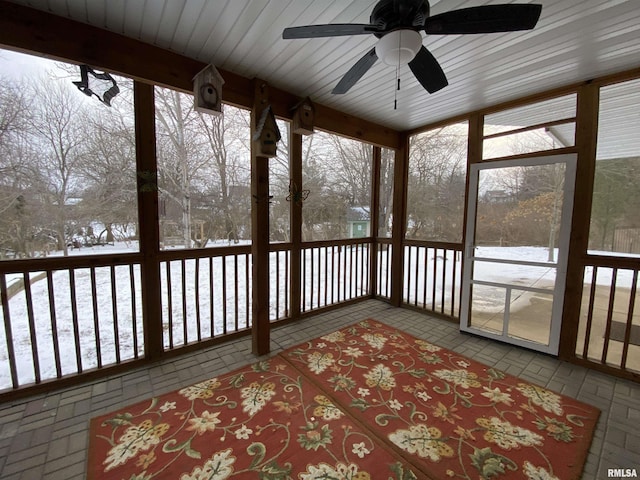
point(517, 238)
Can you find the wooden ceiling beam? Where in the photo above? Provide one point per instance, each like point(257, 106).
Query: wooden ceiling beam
point(36, 32)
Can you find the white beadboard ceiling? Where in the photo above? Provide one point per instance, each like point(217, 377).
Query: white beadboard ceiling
point(574, 40)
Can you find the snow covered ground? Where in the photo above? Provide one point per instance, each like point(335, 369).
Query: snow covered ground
point(218, 289)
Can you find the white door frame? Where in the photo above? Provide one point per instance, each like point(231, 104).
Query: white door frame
point(563, 247)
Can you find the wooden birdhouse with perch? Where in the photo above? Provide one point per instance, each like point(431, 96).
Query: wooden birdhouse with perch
point(207, 90)
point(267, 134)
point(304, 117)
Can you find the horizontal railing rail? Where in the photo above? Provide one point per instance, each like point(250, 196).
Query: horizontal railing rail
point(179, 254)
point(611, 261)
point(64, 263)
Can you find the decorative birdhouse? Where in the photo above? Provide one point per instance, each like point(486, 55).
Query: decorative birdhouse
point(304, 117)
point(267, 134)
point(207, 90)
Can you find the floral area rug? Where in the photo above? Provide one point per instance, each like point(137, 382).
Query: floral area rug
point(365, 402)
point(447, 415)
point(264, 421)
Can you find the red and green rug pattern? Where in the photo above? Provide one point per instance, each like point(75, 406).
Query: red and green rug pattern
point(450, 416)
point(366, 402)
point(264, 421)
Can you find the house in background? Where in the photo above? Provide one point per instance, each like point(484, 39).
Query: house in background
point(358, 222)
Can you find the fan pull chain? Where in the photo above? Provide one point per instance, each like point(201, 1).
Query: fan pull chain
point(395, 95)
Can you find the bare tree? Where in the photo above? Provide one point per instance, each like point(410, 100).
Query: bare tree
point(437, 167)
point(526, 203)
point(204, 170)
point(385, 206)
point(548, 181)
point(67, 164)
point(510, 181)
point(353, 170)
point(227, 145)
point(108, 170)
point(615, 200)
point(331, 192)
point(14, 120)
point(13, 111)
point(58, 130)
point(179, 153)
point(279, 180)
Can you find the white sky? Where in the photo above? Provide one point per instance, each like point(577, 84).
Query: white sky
point(17, 65)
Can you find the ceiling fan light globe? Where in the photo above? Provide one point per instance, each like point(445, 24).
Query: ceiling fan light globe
point(399, 47)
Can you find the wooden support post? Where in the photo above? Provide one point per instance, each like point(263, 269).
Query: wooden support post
point(474, 155)
point(261, 333)
point(586, 138)
point(295, 164)
point(144, 104)
point(375, 220)
point(400, 175)
point(475, 142)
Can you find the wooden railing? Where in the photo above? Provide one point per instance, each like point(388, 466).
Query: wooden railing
point(64, 316)
point(333, 272)
point(205, 294)
point(609, 328)
point(433, 277)
point(67, 317)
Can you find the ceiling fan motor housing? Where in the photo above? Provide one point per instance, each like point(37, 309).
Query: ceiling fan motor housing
point(388, 16)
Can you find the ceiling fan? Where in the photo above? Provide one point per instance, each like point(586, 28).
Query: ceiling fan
point(397, 24)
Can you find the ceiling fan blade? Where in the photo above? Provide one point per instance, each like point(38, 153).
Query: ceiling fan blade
point(485, 19)
point(428, 71)
point(328, 30)
point(356, 72)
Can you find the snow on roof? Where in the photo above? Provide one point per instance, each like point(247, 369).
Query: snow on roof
point(357, 214)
